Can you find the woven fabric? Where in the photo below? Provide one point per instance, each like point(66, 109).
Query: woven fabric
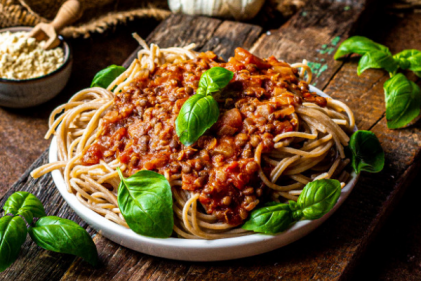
point(101, 15)
point(98, 15)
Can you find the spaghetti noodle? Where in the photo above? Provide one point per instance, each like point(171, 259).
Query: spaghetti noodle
point(272, 138)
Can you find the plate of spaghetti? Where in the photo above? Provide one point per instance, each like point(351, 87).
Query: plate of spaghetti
point(273, 142)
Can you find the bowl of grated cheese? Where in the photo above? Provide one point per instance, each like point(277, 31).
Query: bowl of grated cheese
point(30, 75)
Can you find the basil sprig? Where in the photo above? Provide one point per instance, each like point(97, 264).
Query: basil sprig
point(50, 233)
point(106, 76)
point(374, 55)
point(25, 204)
point(145, 201)
point(403, 97)
point(366, 152)
point(409, 59)
point(12, 236)
point(316, 200)
point(201, 110)
point(403, 101)
point(64, 236)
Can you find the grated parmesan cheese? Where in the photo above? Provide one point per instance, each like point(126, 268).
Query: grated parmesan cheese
point(24, 58)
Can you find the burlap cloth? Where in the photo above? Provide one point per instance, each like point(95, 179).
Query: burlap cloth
point(101, 15)
point(98, 15)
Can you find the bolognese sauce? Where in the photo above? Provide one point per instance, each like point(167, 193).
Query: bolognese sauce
point(257, 105)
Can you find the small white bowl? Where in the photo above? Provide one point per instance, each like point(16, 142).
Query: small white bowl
point(193, 249)
point(34, 91)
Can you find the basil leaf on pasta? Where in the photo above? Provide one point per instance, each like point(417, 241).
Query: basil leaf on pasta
point(367, 153)
point(64, 236)
point(318, 198)
point(197, 115)
point(201, 111)
point(25, 204)
point(106, 76)
point(145, 201)
point(214, 80)
point(12, 236)
point(403, 101)
point(270, 219)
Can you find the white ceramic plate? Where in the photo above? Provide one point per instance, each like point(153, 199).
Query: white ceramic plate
point(193, 249)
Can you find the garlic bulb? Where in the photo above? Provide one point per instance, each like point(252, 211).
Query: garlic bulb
point(239, 9)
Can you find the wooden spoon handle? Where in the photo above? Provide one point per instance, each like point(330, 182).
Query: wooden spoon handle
point(69, 12)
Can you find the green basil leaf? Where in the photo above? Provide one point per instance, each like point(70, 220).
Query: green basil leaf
point(318, 198)
point(403, 101)
point(377, 59)
point(297, 213)
point(359, 45)
point(409, 59)
point(104, 77)
point(270, 219)
point(197, 115)
point(214, 80)
point(64, 236)
point(12, 236)
point(367, 153)
point(25, 204)
point(145, 201)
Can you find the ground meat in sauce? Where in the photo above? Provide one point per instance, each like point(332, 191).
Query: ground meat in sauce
point(255, 106)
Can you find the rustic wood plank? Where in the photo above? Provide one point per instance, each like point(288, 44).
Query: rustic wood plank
point(395, 254)
point(365, 96)
point(314, 34)
point(181, 30)
point(330, 251)
point(366, 90)
point(230, 35)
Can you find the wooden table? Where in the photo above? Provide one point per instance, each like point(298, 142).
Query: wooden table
point(332, 251)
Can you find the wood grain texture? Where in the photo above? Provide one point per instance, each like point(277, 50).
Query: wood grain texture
point(230, 35)
point(332, 250)
point(313, 34)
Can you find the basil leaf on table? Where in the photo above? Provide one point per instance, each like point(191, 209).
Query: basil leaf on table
point(318, 198)
point(104, 77)
point(64, 236)
point(367, 153)
point(374, 55)
point(214, 80)
point(403, 101)
point(197, 115)
point(25, 204)
point(145, 201)
point(12, 236)
point(359, 45)
point(409, 59)
point(270, 219)
point(377, 59)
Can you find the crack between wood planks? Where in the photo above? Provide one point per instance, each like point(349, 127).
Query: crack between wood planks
point(377, 121)
point(343, 62)
point(332, 76)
